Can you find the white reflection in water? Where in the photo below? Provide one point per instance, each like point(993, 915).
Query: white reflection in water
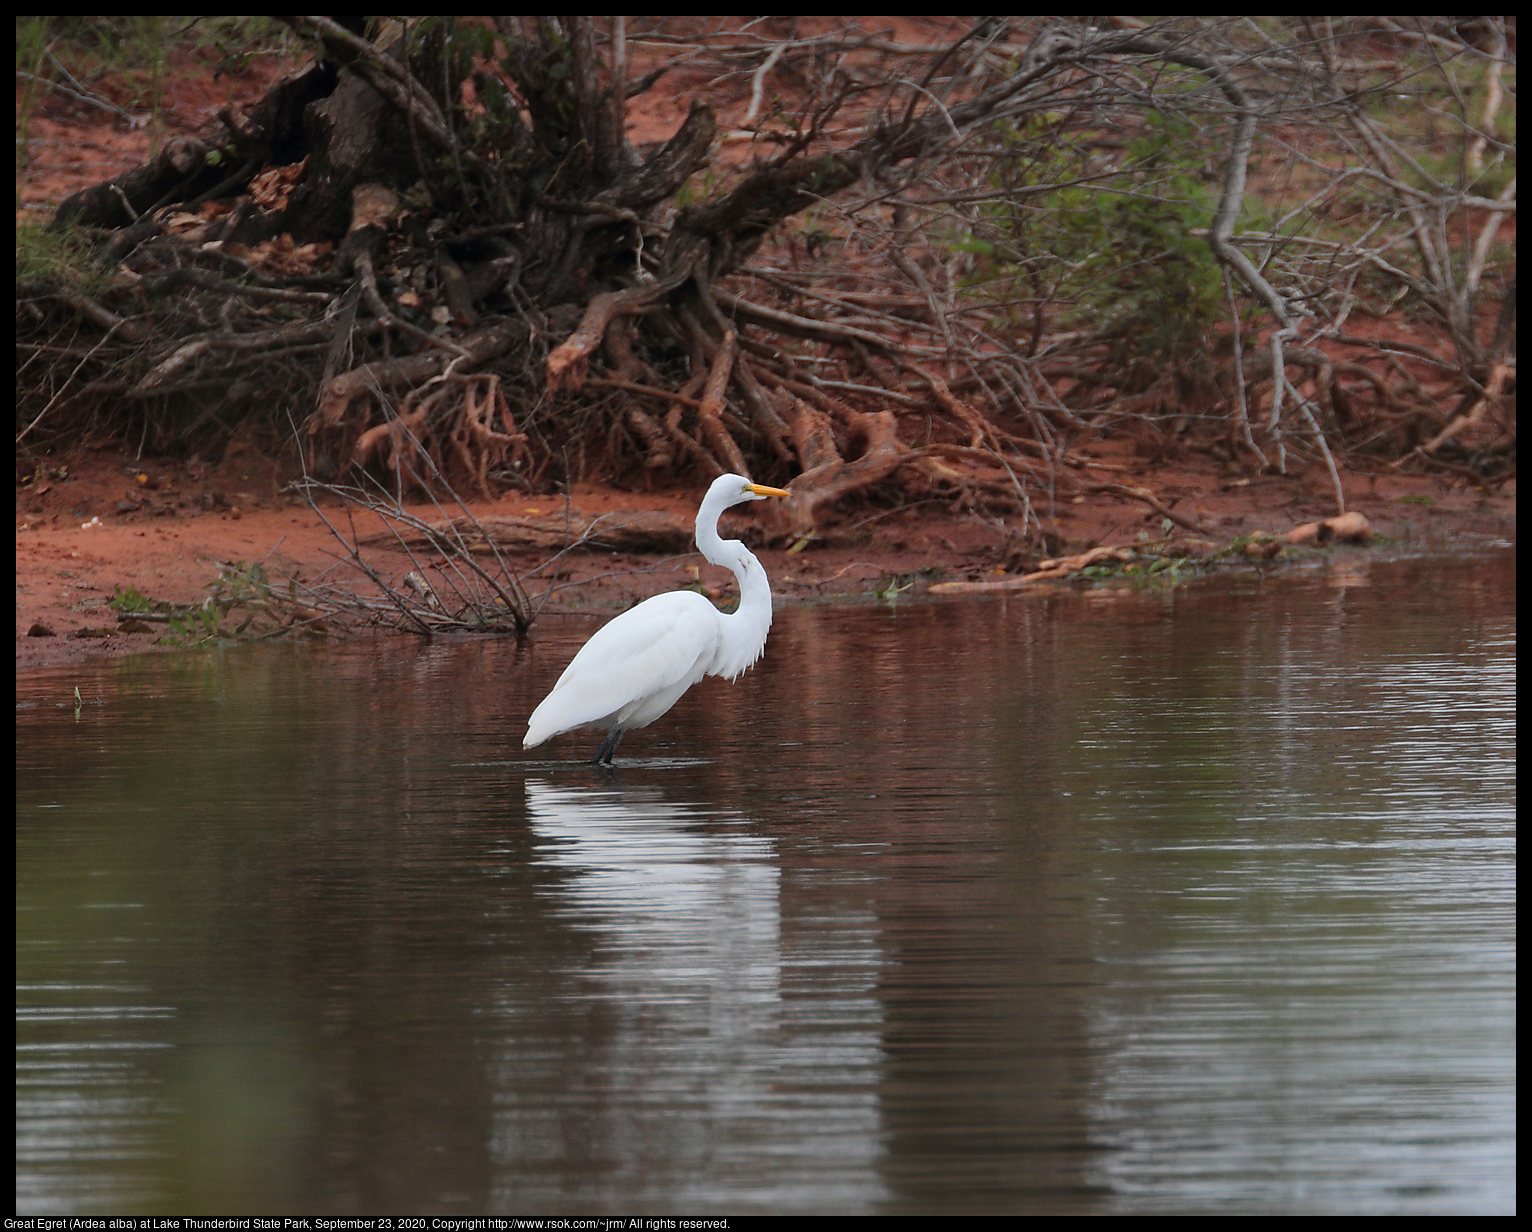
point(715, 1072)
point(84, 1102)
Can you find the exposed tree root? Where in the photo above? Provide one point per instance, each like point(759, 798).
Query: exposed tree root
point(875, 443)
point(567, 362)
point(493, 288)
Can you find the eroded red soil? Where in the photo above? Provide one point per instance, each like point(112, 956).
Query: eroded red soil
point(101, 518)
point(88, 524)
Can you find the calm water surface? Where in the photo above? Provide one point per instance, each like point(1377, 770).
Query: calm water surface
point(1196, 902)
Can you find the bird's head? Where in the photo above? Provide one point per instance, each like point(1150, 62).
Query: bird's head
point(736, 489)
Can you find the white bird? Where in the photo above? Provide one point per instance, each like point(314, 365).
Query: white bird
point(637, 666)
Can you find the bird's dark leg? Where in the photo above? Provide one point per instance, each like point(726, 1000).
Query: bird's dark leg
point(608, 746)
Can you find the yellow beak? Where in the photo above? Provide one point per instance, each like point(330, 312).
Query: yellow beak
point(761, 490)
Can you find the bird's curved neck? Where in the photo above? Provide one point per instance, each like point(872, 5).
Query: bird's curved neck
point(709, 542)
point(746, 628)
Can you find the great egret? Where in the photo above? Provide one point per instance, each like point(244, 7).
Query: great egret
point(636, 667)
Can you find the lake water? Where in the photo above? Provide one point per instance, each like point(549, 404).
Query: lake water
point(1111, 902)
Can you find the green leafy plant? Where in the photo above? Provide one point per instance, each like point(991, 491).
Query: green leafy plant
point(240, 590)
point(1122, 252)
point(129, 600)
point(195, 625)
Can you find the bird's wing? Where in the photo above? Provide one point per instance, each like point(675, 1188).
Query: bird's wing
point(661, 647)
